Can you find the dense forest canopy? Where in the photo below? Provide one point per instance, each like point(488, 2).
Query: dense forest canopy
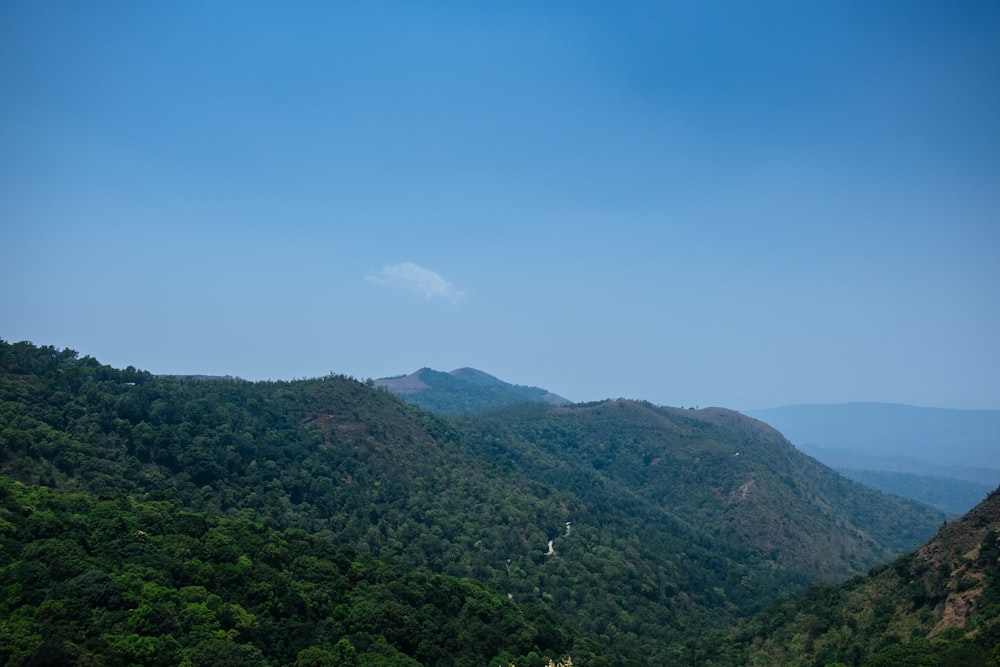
point(619, 532)
point(120, 582)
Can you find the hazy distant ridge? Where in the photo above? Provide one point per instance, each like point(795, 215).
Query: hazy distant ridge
point(941, 436)
point(944, 457)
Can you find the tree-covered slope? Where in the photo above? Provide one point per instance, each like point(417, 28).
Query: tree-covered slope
point(936, 607)
point(343, 460)
point(720, 472)
point(125, 582)
point(638, 527)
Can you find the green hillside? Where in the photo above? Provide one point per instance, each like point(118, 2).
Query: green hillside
point(634, 527)
point(721, 474)
point(936, 607)
point(122, 582)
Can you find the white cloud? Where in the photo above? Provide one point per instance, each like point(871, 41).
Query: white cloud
point(416, 279)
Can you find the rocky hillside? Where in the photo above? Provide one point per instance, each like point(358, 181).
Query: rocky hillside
point(939, 605)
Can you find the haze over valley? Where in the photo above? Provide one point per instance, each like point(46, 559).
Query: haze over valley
point(944, 457)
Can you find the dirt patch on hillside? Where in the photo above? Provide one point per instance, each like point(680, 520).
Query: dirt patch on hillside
point(957, 608)
point(408, 384)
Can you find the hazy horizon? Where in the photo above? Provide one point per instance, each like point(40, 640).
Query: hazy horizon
point(746, 205)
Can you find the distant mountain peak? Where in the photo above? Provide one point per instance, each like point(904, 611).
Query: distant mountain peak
point(477, 376)
point(463, 391)
point(402, 385)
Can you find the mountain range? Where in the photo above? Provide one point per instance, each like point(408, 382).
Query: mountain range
point(327, 521)
point(940, 457)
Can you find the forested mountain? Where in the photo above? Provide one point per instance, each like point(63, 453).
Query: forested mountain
point(463, 391)
point(936, 607)
point(719, 473)
point(617, 530)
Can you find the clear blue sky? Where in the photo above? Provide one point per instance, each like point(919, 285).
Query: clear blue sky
point(745, 204)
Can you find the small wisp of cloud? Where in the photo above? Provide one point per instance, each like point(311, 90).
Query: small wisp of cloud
point(416, 279)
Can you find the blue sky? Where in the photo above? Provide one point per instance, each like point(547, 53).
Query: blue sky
point(745, 204)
